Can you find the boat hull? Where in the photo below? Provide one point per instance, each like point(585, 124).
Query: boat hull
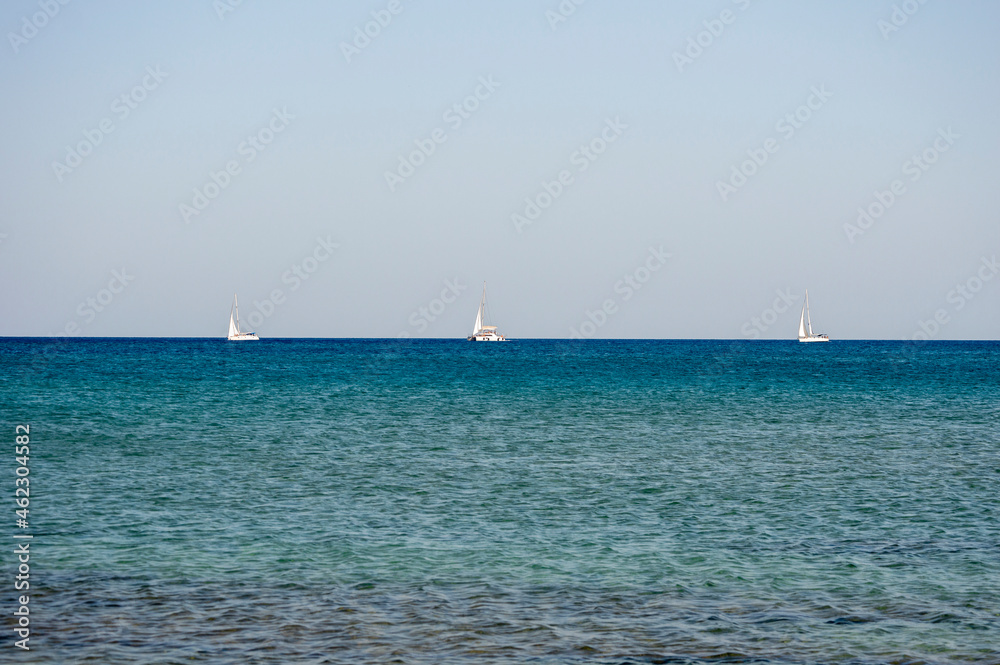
point(814, 339)
point(489, 336)
point(244, 337)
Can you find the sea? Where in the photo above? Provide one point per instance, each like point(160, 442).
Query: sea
point(539, 501)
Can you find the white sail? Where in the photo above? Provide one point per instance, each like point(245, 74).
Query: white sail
point(479, 315)
point(235, 329)
point(479, 312)
point(806, 333)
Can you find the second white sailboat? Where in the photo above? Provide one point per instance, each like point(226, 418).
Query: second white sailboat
point(480, 332)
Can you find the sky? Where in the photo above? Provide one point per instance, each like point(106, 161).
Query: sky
point(635, 169)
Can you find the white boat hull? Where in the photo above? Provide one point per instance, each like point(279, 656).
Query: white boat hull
point(487, 338)
point(814, 339)
point(244, 337)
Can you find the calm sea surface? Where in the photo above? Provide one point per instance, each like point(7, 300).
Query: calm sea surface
point(372, 501)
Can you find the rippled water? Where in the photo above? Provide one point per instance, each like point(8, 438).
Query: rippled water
point(339, 501)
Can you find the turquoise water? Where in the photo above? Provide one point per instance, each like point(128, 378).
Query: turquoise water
point(373, 501)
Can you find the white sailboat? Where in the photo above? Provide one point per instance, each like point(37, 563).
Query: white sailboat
point(481, 333)
point(806, 326)
point(234, 325)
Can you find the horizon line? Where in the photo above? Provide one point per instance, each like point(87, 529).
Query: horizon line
point(510, 339)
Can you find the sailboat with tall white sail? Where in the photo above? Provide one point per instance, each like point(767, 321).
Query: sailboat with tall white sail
point(235, 335)
point(484, 333)
point(806, 333)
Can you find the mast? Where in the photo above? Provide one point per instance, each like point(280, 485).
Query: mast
point(808, 317)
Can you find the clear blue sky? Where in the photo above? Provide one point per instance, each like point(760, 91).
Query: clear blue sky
point(671, 122)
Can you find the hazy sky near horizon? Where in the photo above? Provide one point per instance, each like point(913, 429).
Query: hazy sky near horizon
point(158, 157)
